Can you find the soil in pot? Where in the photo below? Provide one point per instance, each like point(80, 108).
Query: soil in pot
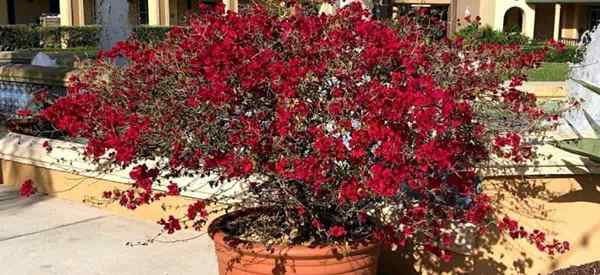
point(236, 257)
point(586, 269)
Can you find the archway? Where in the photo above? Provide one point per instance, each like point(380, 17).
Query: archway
point(513, 20)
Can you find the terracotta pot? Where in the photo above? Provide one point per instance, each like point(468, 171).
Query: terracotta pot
point(254, 259)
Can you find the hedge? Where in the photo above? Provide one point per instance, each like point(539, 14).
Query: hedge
point(150, 33)
point(569, 54)
point(15, 37)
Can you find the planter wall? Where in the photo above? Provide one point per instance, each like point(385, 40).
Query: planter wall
point(64, 174)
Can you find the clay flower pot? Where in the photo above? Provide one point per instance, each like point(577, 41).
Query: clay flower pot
point(254, 258)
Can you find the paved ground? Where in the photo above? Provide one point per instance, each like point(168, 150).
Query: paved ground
point(44, 235)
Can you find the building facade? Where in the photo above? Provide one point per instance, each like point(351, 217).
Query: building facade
point(82, 12)
point(563, 20)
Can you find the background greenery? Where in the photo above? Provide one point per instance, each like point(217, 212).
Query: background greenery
point(15, 37)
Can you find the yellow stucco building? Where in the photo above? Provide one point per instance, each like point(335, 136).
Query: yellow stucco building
point(564, 20)
point(539, 19)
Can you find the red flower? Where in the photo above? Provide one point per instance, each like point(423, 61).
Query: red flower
point(396, 124)
point(47, 145)
point(316, 224)
point(171, 225)
point(24, 112)
point(337, 231)
point(197, 209)
point(27, 189)
point(173, 189)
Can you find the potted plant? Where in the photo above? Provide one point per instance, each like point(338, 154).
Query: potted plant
point(341, 134)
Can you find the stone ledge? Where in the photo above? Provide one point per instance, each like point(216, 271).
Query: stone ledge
point(57, 76)
point(547, 90)
point(553, 161)
point(66, 157)
point(63, 58)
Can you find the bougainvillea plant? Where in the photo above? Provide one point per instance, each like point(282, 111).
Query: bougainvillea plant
point(338, 129)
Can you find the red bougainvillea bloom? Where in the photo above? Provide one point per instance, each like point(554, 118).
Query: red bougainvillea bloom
point(372, 131)
point(171, 225)
point(173, 189)
point(27, 189)
point(24, 112)
point(337, 231)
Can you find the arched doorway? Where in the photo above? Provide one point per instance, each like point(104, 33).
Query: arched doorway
point(513, 20)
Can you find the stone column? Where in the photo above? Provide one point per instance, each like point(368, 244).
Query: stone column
point(78, 8)
point(529, 21)
point(556, 32)
point(158, 12)
point(153, 12)
point(231, 5)
point(452, 17)
point(66, 13)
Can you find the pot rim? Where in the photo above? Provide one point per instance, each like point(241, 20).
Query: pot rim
point(292, 251)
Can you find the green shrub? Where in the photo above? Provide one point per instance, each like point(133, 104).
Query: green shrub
point(487, 34)
point(84, 36)
point(568, 54)
point(147, 34)
point(14, 37)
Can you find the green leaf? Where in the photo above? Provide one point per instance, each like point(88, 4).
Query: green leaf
point(588, 147)
point(588, 86)
point(594, 124)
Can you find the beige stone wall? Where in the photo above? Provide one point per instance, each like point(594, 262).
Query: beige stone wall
point(29, 11)
point(487, 11)
point(529, 15)
point(83, 189)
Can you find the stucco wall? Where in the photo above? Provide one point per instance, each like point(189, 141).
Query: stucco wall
point(81, 189)
point(501, 7)
point(27, 12)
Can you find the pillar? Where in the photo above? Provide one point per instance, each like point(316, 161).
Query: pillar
point(3, 12)
point(66, 13)
point(153, 12)
point(158, 12)
point(556, 32)
point(231, 5)
point(452, 17)
point(78, 9)
point(529, 21)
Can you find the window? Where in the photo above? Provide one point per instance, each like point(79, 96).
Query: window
point(54, 7)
